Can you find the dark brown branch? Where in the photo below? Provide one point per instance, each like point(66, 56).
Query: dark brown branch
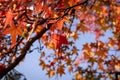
point(66, 10)
point(27, 16)
point(81, 3)
point(116, 75)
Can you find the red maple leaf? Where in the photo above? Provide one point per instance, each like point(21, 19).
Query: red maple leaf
point(58, 40)
point(9, 17)
point(14, 31)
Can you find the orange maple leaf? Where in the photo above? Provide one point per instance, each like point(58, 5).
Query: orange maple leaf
point(60, 24)
point(39, 6)
point(58, 40)
point(14, 31)
point(9, 17)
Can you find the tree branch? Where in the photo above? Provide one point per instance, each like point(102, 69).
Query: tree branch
point(81, 3)
point(23, 52)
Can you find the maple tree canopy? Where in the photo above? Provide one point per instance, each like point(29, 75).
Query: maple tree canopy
point(58, 27)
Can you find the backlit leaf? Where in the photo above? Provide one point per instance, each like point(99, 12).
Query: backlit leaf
point(75, 36)
point(9, 17)
point(14, 31)
point(77, 76)
point(51, 73)
point(60, 70)
point(57, 40)
point(38, 6)
point(60, 25)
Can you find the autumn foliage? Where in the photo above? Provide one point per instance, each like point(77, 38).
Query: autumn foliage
point(59, 26)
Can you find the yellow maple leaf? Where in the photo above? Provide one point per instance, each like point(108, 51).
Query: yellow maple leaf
point(77, 76)
point(50, 73)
